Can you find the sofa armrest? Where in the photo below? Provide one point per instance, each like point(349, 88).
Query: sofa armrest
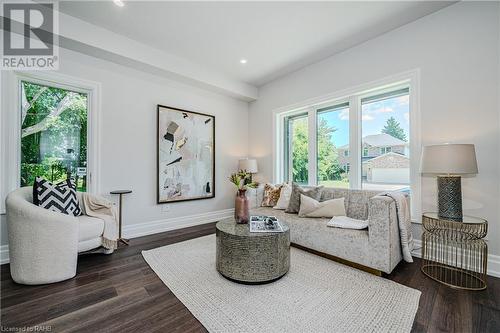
point(43, 245)
point(380, 218)
point(383, 230)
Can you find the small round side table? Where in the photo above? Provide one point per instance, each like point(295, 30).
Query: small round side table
point(121, 193)
point(455, 253)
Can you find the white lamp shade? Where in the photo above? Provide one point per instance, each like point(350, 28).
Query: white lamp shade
point(248, 165)
point(453, 159)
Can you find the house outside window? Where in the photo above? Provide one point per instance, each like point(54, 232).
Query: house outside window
point(385, 134)
point(318, 145)
point(385, 150)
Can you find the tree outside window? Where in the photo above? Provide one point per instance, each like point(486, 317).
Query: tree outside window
point(394, 129)
point(53, 134)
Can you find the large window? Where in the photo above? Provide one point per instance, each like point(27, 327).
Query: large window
point(296, 147)
point(359, 141)
point(385, 124)
point(53, 134)
point(332, 146)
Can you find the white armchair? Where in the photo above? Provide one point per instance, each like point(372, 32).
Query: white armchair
point(44, 245)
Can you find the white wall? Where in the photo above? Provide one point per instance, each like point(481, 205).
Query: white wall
point(128, 134)
point(457, 52)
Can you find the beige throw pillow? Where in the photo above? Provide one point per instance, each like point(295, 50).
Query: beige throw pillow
point(284, 200)
point(313, 208)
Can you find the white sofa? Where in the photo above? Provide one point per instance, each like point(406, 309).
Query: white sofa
point(377, 247)
point(44, 245)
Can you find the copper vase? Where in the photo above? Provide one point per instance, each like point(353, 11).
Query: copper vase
point(241, 207)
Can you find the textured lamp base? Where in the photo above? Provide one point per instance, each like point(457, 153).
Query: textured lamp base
point(450, 198)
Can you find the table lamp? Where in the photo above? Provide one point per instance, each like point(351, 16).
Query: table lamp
point(449, 161)
point(250, 165)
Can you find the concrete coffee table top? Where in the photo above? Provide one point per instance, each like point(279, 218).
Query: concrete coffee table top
point(248, 257)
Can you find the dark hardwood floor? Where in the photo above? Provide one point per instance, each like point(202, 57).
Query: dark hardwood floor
point(120, 293)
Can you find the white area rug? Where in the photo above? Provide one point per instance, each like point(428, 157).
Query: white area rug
point(316, 295)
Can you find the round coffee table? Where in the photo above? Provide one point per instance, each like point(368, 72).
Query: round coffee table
point(251, 258)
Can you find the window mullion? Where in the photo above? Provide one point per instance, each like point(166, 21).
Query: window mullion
point(312, 147)
point(355, 142)
point(289, 152)
point(279, 126)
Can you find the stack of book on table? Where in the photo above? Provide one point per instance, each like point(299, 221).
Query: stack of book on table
point(262, 223)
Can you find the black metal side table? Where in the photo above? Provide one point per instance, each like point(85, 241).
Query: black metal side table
point(121, 193)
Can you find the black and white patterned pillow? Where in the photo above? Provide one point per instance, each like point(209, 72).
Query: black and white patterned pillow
point(60, 197)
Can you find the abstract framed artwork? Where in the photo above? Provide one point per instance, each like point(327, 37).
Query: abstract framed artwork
point(185, 155)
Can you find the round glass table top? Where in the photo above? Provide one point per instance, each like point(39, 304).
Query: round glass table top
point(466, 219)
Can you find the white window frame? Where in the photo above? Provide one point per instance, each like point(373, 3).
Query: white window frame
point(10, 129)
point(354, 95)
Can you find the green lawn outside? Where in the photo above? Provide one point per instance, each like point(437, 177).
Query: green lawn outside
point(335, 183)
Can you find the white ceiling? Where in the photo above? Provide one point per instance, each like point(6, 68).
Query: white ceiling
point(275, 37)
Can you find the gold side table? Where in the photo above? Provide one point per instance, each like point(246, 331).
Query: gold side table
point(455, 253)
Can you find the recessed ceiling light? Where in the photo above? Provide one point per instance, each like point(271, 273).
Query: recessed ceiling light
point(243, 61)
point(119, 3)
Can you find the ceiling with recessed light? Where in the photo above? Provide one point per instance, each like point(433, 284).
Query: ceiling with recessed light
point(254, 42)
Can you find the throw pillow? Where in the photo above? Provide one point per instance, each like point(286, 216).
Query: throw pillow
point(60, 197)
point(271, 195)
point(284, 200)
point(313, 208)
point(294, 205)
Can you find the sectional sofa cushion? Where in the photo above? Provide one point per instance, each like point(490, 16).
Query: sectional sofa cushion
point(313, 208)
point(311, 192)
point(271, 195)
point(89, 228)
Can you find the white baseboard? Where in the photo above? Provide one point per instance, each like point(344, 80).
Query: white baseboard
point(4, 254)
point(153, 227)
point(493, 260)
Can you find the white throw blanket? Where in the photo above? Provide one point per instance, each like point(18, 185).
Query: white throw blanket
point(346, 222)
point(99, 207)
point(404, 222)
